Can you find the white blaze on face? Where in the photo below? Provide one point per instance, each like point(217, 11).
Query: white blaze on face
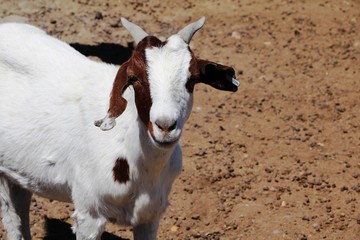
point(168, 72)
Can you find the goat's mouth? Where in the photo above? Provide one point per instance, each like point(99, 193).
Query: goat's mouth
point(164, 144)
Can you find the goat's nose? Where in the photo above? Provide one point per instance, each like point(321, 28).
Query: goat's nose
point(165, 124)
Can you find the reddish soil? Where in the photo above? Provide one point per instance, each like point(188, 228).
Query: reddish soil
point(279, 159)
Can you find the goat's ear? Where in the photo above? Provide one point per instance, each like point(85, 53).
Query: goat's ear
point(218, 76)
point(117, 102)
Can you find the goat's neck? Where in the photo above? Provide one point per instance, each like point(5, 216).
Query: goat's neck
point(155, 158)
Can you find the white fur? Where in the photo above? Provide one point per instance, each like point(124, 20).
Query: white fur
point(168, 69)
point(50, 96)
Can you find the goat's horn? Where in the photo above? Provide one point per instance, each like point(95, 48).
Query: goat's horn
point(188, 32)
point(136, 32)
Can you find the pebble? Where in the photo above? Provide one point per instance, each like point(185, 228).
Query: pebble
point(196, 217)
point(174, 229)
point(98, 16)
point(316, 226)
point(267, 43)
point(236, 35)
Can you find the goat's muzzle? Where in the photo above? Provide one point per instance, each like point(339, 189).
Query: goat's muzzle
point(164, 134)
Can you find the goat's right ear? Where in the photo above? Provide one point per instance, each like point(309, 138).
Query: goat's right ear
point(218, 76)
point(117, 102)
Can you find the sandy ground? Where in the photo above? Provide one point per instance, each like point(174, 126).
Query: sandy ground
point(279, 159)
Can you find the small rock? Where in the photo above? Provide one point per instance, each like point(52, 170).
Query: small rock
point(316, 226)
point(195, 217)
point(236, 35)
point(98, 16)
point(267, 43)
point(304, 237)
point(197, 109)
point(174, 229)
point(115, 25)
point(328, 208)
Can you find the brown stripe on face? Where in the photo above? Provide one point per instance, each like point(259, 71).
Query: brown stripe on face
point(134, 72)
point(138, 70)
point(194, 72)
point(121, 171)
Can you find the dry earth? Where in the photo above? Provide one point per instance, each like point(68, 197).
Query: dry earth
point(279, 159)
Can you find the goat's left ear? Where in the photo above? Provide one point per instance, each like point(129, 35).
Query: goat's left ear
point(218, 76)
point(117, 103)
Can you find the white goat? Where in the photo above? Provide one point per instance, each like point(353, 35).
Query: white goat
point(50, 96)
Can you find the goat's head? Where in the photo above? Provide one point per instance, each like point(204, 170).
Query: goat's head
point(163, 75)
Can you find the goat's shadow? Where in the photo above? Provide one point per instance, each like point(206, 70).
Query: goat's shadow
point(107, 52)
point(56, 229)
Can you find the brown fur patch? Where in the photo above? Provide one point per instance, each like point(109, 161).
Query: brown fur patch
point(117, 102)
point(121, 171)
point(133, 72)
point(151, 129)
point(195, 73)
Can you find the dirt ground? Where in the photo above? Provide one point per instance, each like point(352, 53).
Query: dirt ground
point(279, 159)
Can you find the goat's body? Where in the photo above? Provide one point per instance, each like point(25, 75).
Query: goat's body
point(50, 96)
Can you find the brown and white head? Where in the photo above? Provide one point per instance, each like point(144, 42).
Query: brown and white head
point(163, 75)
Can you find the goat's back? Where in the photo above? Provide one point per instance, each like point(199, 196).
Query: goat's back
point(50, 96)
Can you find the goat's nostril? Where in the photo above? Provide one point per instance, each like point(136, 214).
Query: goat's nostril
point(166, 125)
point(159, 125)
point(172, 127)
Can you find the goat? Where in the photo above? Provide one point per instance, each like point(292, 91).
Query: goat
point(50, 96)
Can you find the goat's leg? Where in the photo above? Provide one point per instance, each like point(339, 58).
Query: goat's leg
point(22, 203)
point(146, 231)
point(87, 226)
point(15, 204)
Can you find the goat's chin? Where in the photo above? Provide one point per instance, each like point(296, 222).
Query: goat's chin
point(164, 143)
